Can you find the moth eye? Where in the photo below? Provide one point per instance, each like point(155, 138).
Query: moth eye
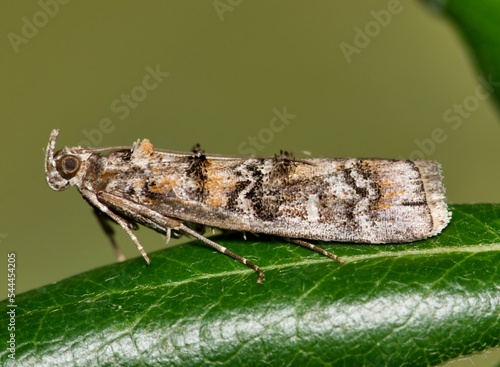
point(68, 166)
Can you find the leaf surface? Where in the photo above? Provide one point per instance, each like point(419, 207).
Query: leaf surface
point(411, 304)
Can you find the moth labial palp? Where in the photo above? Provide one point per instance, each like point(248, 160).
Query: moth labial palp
point(343, 200)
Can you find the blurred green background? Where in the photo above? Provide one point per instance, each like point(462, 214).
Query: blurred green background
point(73, 65)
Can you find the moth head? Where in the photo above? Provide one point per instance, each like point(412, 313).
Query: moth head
point(65, 167)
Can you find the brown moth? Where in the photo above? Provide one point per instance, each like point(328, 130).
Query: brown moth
point(347, 200)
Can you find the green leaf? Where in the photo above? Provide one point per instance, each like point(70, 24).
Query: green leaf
point(479, 23)
point(414, 304)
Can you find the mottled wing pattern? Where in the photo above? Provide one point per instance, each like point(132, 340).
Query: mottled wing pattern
point(355, 200)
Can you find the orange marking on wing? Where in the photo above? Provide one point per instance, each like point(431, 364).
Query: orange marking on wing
point(163, 185)
point(218, 185)
point(388, 195)
point(106, 175)
point(146, 147)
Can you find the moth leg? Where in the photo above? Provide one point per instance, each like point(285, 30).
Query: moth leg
point(92, 198)
point(168, 235)
point(110, 233)
point(225, 251)
point(317, 249)
point(157, 221)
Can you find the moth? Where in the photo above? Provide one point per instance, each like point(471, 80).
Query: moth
point(178, 193)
